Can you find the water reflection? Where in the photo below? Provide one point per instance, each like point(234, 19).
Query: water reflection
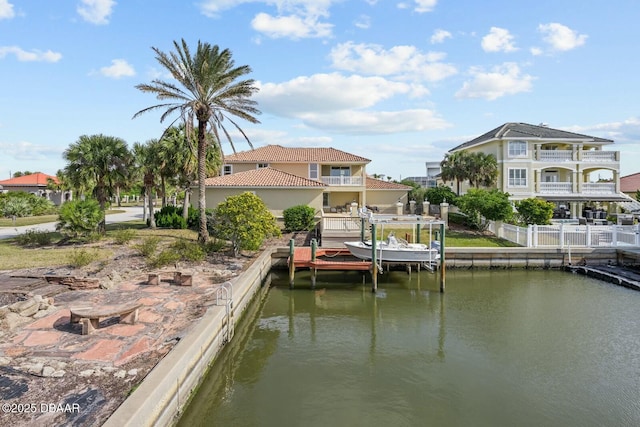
point(499, 348)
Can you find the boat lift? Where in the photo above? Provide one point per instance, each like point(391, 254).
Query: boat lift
point(382, 219)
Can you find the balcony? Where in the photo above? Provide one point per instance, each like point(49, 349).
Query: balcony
point(559, 156)
point(586, 188)
point(555, 155)
point(599, 156)
point(354, 181)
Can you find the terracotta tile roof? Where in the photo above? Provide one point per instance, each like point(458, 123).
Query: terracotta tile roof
point(630, 183)
point(529, 132)
point(265, 177)
point(280, 154)
point(378, 184)
point(34, 179)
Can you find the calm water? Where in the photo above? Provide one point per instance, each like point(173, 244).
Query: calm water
point(499, 348)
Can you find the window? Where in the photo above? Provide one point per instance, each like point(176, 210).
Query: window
point(313, 171)
point(227, 170)
point(262, 165)
point(325, 199)
point(517, 148)
point(340, 170)
point(517, 177)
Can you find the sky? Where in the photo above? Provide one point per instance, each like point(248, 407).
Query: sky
point(399, 82)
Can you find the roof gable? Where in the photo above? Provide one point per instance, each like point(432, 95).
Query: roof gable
point(264, 177)
point(35, 179)
point(280, 154)
point(630, 183)
point(529, 132)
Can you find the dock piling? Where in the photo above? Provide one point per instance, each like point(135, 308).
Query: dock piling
point(292, 265)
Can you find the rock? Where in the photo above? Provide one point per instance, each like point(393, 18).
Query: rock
point(58, 374)
point(48, 371)
point(35, 369)
point(13, 320)
point(25, 308)
point(133, 372)
point(86, 373)
point(120, 374)
point(109, 369)
point(4, 361)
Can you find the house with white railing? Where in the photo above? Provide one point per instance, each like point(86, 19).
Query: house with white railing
point(330, 180)
point(555, 165)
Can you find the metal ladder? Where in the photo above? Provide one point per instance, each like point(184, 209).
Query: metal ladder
point(224, 293)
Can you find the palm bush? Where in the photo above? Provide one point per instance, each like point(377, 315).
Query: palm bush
point(79, 218)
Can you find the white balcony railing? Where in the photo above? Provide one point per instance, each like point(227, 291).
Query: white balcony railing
point(599, 156)
point(585, 188)
point(599, 188)
point(342, 180)
point(555, 155)
point(556, 187)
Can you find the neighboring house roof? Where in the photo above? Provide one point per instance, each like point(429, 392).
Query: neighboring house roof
point(529, 132)
point(264, 177)
point(378, 184)
point(32, 180)
point(280, 154)
point(630, 183)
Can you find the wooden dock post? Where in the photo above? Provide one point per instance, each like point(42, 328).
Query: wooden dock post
point(417, 233)
point(362, 233)
point(443, 268)
point(292, 265)
point(374, 260)
point(314, 271)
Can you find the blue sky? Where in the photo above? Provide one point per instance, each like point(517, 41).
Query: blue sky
point(399, 82)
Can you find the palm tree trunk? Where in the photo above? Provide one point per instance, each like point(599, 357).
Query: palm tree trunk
point(203, 234)
point(185, 204)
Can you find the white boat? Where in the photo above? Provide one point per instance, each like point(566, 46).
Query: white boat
point(396, 250)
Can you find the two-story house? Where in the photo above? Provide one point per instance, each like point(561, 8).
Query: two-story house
point(326, 179)
point(551, 164)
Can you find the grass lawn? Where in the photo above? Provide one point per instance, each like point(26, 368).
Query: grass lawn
point(15, 257)
point(452, 238)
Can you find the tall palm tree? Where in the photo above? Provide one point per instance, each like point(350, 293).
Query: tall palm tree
point(207, 91)
point(483, 169)
point(99, 161)
point(146, 163)
point(455, 167)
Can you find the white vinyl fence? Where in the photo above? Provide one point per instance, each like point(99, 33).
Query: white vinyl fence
point(569, 235)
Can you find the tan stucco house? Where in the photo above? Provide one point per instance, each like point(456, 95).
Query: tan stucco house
point(327, 179)
point(551, 164)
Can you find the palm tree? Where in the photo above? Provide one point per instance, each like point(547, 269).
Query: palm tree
point(483, 169)
point(208, 92)
point(455, 167)
point(146, 162)
point(97, 161)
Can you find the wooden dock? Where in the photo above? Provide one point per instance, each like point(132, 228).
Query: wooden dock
point(302, 258)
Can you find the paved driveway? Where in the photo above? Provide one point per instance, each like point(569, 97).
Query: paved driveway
point(130, 214)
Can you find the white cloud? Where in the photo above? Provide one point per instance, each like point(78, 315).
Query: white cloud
point(96, 11)
point(622, 132)
point(420, 6)
point(6, 10)
point(401, 61)
point(498, 40)
point(440, 36)
point(363, 22)
point(292, 26)
point(118, 68)
point(24, 150)
point(35, 55)
point(295, 19)
point(536, 51)
point(560, 37)
point(338, 103)
point(503, 80)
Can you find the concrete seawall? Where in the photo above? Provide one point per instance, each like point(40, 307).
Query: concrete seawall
point(166, 390)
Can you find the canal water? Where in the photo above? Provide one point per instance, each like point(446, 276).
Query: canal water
point(499, 348)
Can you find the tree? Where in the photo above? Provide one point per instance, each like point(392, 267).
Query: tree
point(439, 194)
point(209, 94)
point(535, 211)
point(482, 169)
point(100, 162)
point(145, 162)
point(480, 205)
point(245, 221)
point(454, 167)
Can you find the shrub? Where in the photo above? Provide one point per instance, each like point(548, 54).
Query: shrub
point(149, 246)
point(34, 237)
point(21, 204)
point(166, 257)
point(437, 195)
point(81, 257)
point(245, 221)
point(534, 211)
point(491, 205)
point(299, 218)
point(79, 218)
point(122, 236)
point(170, 217)
point(189, 251)
point(214, 245)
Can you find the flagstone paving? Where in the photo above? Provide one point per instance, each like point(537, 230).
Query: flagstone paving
point(54, 362)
